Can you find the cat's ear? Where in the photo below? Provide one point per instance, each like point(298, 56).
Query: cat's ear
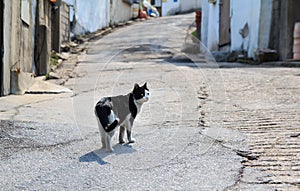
point(145, 86)
point(136, 86)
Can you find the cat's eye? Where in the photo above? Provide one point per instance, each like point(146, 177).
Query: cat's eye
point(142, 94)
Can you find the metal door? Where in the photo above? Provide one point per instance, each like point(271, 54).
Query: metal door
point(224, 31)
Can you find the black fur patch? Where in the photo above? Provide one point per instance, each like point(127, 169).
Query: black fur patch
point(112, 126)
point(132, 106)
point(103, 110)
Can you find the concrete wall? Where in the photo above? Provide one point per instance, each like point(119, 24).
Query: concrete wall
point(256, 13)
point(265, 23)
point(43, 41)
point(64, 22)
point(7, 33)
point(170, 7)
point(246, 11)
point(285, 14)
point(18, 43)
point(120, 12)
point(190, 5)
point(204, 23)
point(210, 25)
point(91, 15)
point(60, 28)
point(1, 46)
point(26, 40)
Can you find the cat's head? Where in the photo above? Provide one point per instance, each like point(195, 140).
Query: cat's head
point(141, 93)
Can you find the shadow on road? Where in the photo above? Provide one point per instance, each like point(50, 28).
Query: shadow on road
point(100, 154)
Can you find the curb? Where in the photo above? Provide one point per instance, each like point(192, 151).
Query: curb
point(283, 63)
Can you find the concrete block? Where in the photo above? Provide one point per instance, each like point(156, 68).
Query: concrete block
point(20, 81)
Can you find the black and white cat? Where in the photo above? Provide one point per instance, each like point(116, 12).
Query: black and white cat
point(112, 112)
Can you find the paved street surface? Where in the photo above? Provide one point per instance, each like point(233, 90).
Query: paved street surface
point(207, 126)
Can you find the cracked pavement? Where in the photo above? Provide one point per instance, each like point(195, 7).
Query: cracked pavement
point(208, 126)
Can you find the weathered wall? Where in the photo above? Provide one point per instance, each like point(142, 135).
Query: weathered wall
point(12, 28)
point(247, 11)
point(60, 29)
point(42, 37)
point(169, 7)
point(287, 15)
point(190, 5)
point(7, 33)
point(204, 23)
point(64, 22)
point(1, 46)
point(19, 44)
point(26, 40)
point(256, 13)
point(120, 12)
point(210, 25)
point(91, 15)
point(265, 24)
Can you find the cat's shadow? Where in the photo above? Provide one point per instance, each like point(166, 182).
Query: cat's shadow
point(100, 154)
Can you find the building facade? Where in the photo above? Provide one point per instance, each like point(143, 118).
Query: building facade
point(26, 42)
point(92, 15)
point(171, 7)
point(31, 29)
point(249, 25)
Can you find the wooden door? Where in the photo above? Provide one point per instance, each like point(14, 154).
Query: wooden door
point(224, 31)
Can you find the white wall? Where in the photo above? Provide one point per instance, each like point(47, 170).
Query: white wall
point(246, 11)
point(210, 25)
point(204, 23)
point(190, 5)
point(120, 12)
point(90, 15)
point(170, 7)
point(256, 13)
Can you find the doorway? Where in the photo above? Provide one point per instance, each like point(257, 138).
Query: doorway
point(224, 31)
point(1, 47)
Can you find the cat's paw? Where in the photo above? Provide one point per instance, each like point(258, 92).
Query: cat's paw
point(121, 141)
point(110, 150)
point(132, 140)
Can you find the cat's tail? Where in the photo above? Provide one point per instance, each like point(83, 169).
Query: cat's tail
point(112, 126)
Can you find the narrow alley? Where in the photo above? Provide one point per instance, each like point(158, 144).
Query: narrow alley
point(207, 126)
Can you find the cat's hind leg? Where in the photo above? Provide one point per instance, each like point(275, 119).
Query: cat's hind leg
point(129, 137)
point(121, 135)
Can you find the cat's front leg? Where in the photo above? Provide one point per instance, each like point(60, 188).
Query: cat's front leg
point(129, 137)
point(103, 141)
point(121, 135)
point(109, 142)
